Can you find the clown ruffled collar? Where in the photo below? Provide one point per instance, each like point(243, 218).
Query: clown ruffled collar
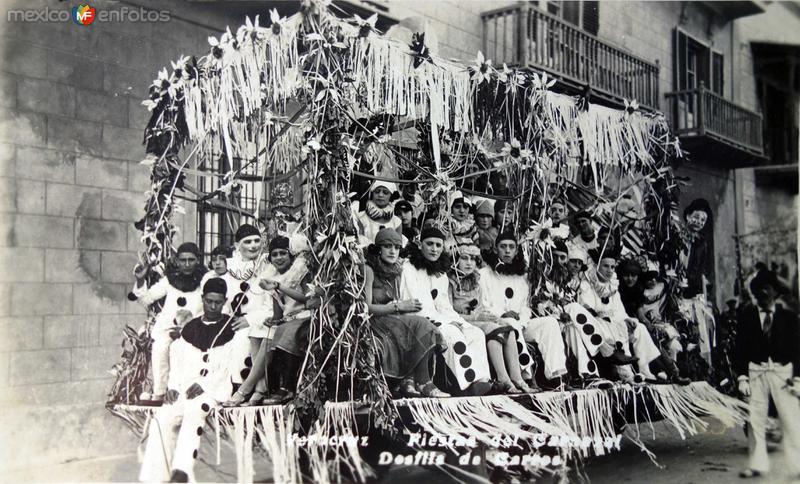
point(433, 268)
point(205, 335)
point(463, 228)
point(515, 268)
point(603, 289)
point(653, 294)
point(244, 270)
point(187, 282)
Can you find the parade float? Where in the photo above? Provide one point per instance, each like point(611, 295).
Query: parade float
point(330, 101)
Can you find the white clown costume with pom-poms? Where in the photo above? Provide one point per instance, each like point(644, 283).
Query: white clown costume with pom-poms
point(174, 301)
point(503, 293)
point(466, 344)
point(245, 297)
point(213, 356)
point(611, 309)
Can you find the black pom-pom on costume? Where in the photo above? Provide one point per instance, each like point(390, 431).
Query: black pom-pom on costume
point(132, 296)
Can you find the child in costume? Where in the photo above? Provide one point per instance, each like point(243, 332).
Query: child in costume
point(487, 233)
point(379, 212)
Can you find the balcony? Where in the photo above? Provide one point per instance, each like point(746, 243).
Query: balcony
point(520, 35)
point(709, 124)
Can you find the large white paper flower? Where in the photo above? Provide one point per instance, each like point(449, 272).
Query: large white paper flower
point(482, 71)
point(515, 152)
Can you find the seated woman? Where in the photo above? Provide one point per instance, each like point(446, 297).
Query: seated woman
point(629, 273)
point(651, 314)
point(501, 339)
point(282, 277)
point(484, 217)
point(504, 216)
point(424, 278)
point(406, 342)
point(288, 284)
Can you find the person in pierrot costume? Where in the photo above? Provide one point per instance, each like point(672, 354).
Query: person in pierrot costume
point(767, 362)
point(209, 355)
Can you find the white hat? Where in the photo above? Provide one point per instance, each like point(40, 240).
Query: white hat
point(577, 253)
point(391, 186)
point(457, 195)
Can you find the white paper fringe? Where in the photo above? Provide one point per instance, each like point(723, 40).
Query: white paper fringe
point(582, 413)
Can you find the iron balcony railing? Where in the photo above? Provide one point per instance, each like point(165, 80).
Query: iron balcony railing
point(522, 35)
point(701, 112)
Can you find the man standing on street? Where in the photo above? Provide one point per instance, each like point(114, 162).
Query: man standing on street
point(767, 360)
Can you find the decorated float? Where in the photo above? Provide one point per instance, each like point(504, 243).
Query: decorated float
point(331, 102)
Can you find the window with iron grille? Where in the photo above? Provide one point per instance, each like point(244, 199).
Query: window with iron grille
point(216, 225)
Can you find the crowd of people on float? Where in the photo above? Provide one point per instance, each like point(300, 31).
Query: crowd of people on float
point(451, 306)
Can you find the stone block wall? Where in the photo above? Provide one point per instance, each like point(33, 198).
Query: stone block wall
point(71, 186)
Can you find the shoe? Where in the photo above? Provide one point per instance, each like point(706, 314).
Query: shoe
point(147, 400)
point(618, 357)
point(178, 476)
point(479, 388)
point(429, 390)
point(524, 387)
point(507, 388)
point(748, 473)
point(279, 398)
point(256, 399)
point(593, 381)
point(238, 399)
point(681, 380)
point(407, 389)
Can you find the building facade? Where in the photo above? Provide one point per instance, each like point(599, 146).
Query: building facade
point(72, 186)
